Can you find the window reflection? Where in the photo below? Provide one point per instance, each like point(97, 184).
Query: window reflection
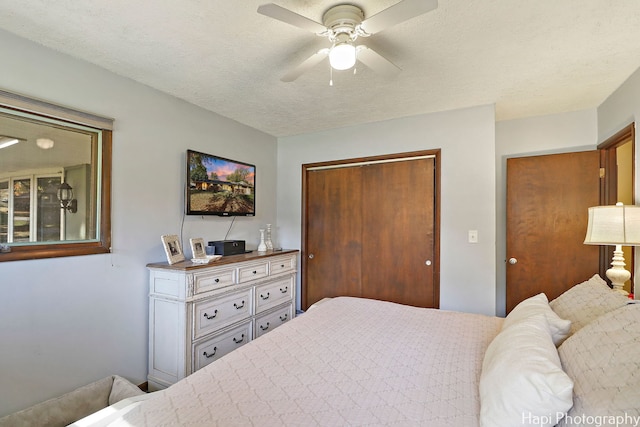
point(37, 155)
point(21, 217)
point(4, 211)
point(49, 216)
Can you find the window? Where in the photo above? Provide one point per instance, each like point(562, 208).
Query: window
point(55, 180)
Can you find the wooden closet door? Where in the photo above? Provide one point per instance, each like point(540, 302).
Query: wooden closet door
point(369, 231)
point(398, 223)
point(333, 232)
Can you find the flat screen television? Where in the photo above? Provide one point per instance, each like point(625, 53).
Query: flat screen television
point(219, 186)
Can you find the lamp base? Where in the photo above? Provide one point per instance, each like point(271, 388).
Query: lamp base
point(617, 273)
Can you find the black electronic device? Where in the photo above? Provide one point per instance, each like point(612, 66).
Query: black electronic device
point(228, 247)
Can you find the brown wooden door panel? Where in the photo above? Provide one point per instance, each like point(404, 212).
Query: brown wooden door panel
point(369, 230)
point(398, 216)
point(334, 229)
point(547, 201)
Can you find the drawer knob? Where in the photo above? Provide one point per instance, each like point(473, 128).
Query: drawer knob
point(217, 280)
point(255, 272)
point(215, 313)
point(264, 328)
point(284, 318)
point(284, 291)
point(281, 265)
point(209, 356)
point(238, 341)
point(238, 307)
point(263, 297)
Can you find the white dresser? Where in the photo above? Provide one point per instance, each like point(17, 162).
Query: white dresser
point(198, 313)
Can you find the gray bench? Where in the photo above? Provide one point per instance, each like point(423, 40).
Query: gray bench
point(70, 407)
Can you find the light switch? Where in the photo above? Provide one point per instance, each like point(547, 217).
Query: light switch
point(473, 236)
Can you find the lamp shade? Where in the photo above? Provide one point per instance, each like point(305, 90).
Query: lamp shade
point(613, 225)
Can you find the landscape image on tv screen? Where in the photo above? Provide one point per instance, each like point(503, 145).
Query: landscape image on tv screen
point(219, 186)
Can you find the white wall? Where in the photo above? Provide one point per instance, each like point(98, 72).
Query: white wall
point(68, 321)
point(620, 109)
point(558, 133)
point(466, 137)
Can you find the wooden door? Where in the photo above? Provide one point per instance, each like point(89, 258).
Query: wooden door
point(332, 252)
point(369, 231)
point(547, 201)
point(398, 219)
point(617, 156)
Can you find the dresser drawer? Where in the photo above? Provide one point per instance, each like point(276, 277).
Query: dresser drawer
point(196, 311)
point(217, 346)
point(272, 294)
point(208, 281)
point(253, 272)
point(282, 265)
point(212, 315)
point(270, 321)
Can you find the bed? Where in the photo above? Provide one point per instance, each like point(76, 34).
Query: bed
point(352, 361)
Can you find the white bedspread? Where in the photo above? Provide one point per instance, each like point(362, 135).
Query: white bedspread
point(348, 362)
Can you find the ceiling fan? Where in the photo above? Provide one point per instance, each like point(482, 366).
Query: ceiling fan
point(342, 25)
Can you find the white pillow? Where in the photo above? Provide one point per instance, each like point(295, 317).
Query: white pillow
point(587, 301)
point(603, 359)
point(539, 304)
point(522, 382)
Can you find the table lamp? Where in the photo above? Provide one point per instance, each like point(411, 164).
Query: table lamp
point(617, 226)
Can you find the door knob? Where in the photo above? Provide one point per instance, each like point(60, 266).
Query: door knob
point(311, 256)
point(513, 261)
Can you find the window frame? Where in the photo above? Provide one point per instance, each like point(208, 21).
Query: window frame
point(102, 244)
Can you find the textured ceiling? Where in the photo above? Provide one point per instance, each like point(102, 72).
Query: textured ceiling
point(527, 57)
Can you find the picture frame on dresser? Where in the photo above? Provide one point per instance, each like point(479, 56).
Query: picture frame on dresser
point(197, 248)
point(172, 248)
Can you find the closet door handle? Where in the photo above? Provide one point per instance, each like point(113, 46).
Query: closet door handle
point(311, 256)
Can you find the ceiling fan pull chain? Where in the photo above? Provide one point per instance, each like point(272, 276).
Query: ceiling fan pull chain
point(330, 75)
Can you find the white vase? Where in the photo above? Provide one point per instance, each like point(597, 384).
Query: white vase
point(262, 247)
point(267, 240)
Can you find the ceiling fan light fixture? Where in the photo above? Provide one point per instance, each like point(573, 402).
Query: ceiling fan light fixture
point(342, 56)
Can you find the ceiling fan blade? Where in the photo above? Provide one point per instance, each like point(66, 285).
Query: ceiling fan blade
point(306, 65)
point(399, 12)
point(376, 62)
point(285, 15)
